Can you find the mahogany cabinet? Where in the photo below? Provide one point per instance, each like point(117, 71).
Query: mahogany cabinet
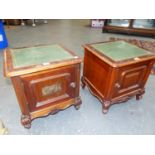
point(116, 71)
point(45, 79)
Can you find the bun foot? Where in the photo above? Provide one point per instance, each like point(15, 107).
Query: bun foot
point(105, 111)
point(82, 83)
point(138, 97)
point(105, 106)
point(77, 107)
point(78, 103)
point(26, 121)
point(27, 126)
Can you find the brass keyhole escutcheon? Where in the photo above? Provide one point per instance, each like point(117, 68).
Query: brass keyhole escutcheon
point(117, 85)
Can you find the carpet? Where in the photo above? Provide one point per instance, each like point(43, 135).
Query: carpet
point(148, 45)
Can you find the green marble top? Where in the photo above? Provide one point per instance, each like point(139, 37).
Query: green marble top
point(120, 50)
point(39, 55)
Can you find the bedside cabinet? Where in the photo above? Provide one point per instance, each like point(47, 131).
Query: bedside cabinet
point(116, 71)
point(45, 79)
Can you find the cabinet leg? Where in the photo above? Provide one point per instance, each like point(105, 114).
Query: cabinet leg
point(82, 82)
point(105, 106)
point(26, 121)
point(77, 107)
point(78, 103)
point(140, 95)
point(104, 110)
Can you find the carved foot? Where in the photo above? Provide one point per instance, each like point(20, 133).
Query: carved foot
point(140, 95)
point(78, 103)
point(82, 83)
point(77, 107)
point(105, 106)
point(26, 121)
point(105, 110)
point(27, 126)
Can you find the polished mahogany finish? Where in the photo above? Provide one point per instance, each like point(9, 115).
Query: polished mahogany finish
point(115, 81)
point(46, 88)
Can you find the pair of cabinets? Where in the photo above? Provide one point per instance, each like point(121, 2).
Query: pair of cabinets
point(46, 79)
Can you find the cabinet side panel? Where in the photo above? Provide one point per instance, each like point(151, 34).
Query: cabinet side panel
point(96, 72)
point(19, 90)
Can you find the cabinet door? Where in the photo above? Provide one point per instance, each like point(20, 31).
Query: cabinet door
point(131, 78)
point(51, 87)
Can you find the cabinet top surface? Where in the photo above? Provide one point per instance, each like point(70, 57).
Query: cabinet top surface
point(28, 60)
point(38, 55)
point(120, 50)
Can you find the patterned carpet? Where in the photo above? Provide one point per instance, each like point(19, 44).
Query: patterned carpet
point(148, 45)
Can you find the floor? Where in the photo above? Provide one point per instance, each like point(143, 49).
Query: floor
point(132, 117)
